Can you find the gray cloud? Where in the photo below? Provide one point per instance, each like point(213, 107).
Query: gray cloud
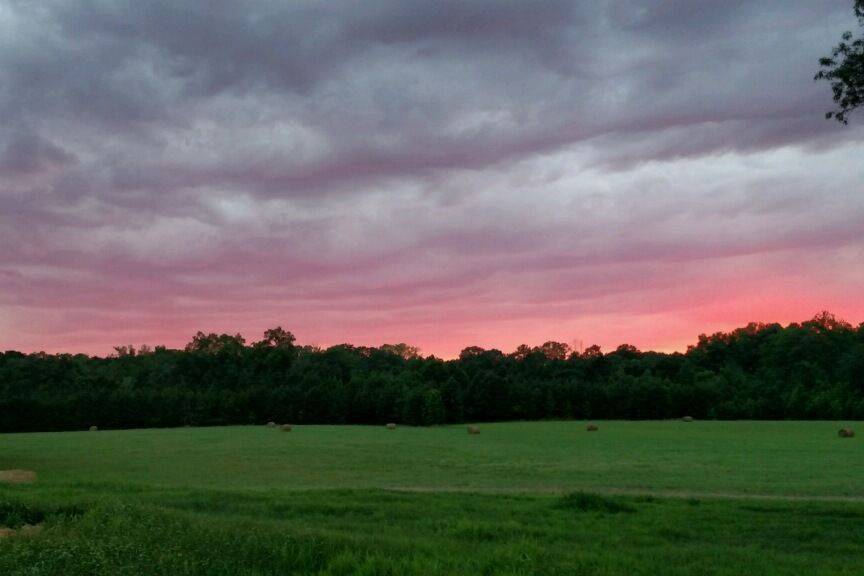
point(383, 152)
point(28, 153)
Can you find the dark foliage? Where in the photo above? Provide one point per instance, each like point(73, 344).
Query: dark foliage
point(586, 502)
point(812, 370)
point(844, 69)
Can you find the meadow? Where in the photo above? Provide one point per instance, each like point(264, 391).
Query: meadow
point(659, 497)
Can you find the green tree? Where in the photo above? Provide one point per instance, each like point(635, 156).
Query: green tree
point(216, 343)
point(277, 338)
point(433, 407)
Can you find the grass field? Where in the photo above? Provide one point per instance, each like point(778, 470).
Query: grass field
point(520, 498)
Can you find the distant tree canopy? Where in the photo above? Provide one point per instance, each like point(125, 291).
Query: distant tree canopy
point(844, 69)
point(810, 370)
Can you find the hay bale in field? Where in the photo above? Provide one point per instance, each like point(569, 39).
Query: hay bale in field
point(592, 428)
point(391, 426)
point(846, 433)
point(26, 530)
point(473, 430)
point(285, 428)
point(30, 529)
point(94, 428)
point(17, 476)
point(687, 419)
point(271, 424)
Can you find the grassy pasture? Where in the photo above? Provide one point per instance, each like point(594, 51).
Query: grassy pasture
point(730, 458)
point(519, 498)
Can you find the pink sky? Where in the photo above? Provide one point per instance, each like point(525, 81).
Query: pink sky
point(490, 174)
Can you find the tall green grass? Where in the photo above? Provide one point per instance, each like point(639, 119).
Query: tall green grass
point(175, 532)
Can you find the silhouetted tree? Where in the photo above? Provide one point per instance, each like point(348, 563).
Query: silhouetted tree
point(812, 369)
point(844, 69)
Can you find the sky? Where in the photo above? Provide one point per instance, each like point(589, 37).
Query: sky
point(442, 173)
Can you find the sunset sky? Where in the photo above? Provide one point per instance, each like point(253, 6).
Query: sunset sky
point(440, 173)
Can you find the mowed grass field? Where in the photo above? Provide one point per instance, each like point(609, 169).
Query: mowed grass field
point(519, 498)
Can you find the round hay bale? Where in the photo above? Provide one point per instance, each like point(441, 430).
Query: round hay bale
point(25, 530)
point(687, 419)
point(846, 433)
point(271, 424)
point(94, 428)
point(17, 476)
point(473, 430)
point(30, 529)
point(592, 428)
point(391, 426)
point(285, 428)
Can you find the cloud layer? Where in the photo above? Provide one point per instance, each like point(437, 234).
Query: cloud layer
point(443, 173)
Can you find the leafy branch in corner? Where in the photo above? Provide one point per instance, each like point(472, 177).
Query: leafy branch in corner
point(844, 69)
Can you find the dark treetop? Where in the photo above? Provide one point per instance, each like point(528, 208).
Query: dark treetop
point(814, 369)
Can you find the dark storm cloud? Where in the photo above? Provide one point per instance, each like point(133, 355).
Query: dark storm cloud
point(27, 153)
point(215, 46)
point(384, 83)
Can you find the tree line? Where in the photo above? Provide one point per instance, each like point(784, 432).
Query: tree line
point(808, 370)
